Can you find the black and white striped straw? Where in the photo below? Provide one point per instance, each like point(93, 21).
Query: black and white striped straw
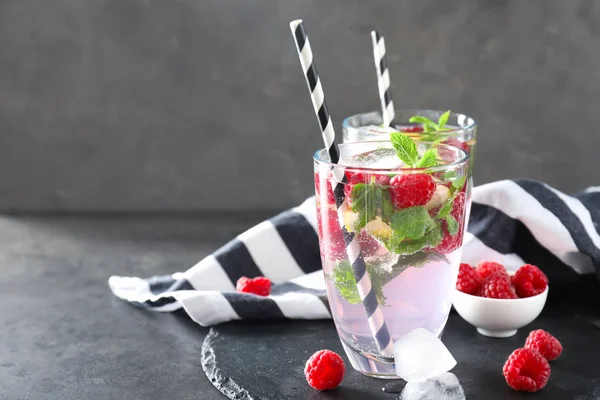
point(367, 294)
point(383, 78)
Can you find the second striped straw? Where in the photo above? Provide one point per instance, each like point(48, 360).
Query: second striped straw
point(367, 294)
point(383, 78)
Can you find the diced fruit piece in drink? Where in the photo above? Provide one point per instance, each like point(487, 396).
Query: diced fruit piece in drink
point(440, 196)
point(379, 229)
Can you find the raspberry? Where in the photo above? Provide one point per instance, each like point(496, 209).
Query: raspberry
point(411, 190)
point(487, 268)
point(324, 370)
point(447, 154)
point(260, 286)
point(352, 178)
point(326, 183)
point(526, 370)
point(547, 345)
point(529, 281)
point(412, 129)
point(331, 238)
point(450, 243)
point(497, 286)
point(468, 280)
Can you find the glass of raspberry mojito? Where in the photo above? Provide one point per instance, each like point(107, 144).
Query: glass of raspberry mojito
point(406, 203)
point(444, 127)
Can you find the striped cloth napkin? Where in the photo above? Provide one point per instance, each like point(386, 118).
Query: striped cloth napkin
point(512, 222)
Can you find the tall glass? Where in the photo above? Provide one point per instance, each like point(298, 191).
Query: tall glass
point(462, 129)
point(409, 223)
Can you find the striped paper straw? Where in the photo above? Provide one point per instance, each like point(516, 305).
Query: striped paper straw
point(383, 78)
point(367, 294)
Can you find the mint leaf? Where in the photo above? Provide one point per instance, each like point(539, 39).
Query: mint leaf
point(459, 182)
point(345, 283)
point(452, 225)
point(450, 175)
point(432, 238)
point(443, 120)
point(411, 223)
point(405, 148)
point(445, 210)
point(357, 196)
point(369, 201)
point(428, 159)
point(427, 123)
point(362, 200)
point(387, 208)
point(377, 284)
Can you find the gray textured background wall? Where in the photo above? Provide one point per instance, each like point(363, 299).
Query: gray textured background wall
point(200, 104)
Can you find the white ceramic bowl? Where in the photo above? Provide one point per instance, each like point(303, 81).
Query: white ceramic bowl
point(500, 318)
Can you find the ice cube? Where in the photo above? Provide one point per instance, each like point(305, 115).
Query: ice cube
point(378, 129)
point(442, 387)
point(420, 355)
point(384, 158)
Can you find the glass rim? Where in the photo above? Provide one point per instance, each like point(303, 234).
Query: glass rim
point(472, 123)
point(463, 161)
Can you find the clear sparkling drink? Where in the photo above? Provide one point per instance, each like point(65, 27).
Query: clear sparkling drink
point(407, 212)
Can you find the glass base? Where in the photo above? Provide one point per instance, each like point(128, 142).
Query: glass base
point(370, 365)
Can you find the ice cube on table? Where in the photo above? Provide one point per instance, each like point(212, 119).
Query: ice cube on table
point(442, 387)
point(420, 355)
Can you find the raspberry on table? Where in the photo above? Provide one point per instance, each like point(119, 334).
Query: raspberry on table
point(487, 268)
point(529, 281)
point(410, 190)
point(324, 370)
point(546, 344)
point(468, 280)
point(497, 286)
point(526, 370)
point(260, 286)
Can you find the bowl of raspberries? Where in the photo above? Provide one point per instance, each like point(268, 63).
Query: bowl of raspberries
point(497, 302)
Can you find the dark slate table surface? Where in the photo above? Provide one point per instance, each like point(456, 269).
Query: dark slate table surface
point(64, 336)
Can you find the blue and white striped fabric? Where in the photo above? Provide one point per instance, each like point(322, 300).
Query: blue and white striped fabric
point(512, 222)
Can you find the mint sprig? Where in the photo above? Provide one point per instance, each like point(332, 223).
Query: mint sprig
point(405, 148)
point(430, 126)
point(345, 282)
point(370, 200)
point(407, 152)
